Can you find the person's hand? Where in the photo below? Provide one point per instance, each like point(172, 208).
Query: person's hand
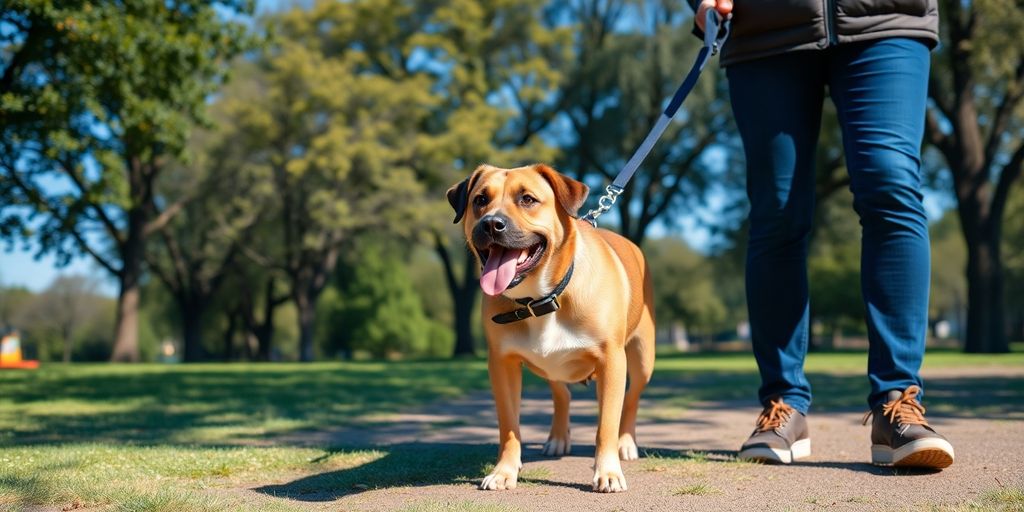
point(724, 7)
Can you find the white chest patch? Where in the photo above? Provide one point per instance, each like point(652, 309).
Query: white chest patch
point(554, 348)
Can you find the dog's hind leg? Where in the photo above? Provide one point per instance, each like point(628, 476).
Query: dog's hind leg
point(640, 361)
point(559, 442)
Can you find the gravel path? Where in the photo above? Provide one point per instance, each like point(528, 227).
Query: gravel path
point(690, 464)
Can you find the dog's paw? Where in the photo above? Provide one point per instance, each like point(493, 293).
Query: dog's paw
point(627, 448)
point(608, 477)
point(503, 477)
point(557, 446)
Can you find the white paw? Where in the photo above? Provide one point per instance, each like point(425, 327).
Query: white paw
point(557, 446)
point(627, 448)
point(608, 477)
point(503, 477)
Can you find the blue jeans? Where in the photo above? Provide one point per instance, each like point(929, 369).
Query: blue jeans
point(879, 89)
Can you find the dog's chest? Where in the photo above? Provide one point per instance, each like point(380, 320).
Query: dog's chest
point(561, 352)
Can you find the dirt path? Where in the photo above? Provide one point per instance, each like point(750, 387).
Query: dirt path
point(692, 466)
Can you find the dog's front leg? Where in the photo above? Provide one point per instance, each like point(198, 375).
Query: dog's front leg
point(506, 383)
point(611, 388)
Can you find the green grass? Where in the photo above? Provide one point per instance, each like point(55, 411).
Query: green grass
point(216, 403)
point(681, 380)
point(1006, 499)
point(153, 478)
point(696, 490)
point(196, 438)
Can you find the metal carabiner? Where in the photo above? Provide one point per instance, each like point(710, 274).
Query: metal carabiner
point(716, 30)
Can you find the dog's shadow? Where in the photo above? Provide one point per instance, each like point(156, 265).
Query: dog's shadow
point(401, 465)
point(411, 465)
point(406, 465)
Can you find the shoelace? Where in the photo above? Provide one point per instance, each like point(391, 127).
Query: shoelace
point(774, 416)
point(905, 410)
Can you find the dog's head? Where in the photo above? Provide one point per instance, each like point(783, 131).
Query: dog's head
point(515, 219)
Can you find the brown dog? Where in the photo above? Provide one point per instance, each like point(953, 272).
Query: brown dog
point(569, 301)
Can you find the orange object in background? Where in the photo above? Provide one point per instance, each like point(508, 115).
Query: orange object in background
point(10, 353)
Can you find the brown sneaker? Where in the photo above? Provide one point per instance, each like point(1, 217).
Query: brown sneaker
point(900, 436)
point(780, 436)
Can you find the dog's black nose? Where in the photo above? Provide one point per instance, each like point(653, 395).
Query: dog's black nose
point(495, 224)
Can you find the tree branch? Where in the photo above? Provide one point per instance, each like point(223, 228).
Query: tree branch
point(1011, 171)
point(158, 222)
point(1011, 98)
point(104, 219)
point(935, 136)
point(446, 260)
point(65, 222)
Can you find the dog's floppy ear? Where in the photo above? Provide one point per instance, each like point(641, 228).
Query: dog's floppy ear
point(570, 193)
point(458, 195)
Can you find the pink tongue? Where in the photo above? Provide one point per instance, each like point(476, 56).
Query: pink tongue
point(499, 270)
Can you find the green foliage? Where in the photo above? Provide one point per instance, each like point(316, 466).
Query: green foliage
point(375, 308)
point(134, 78)
point(949, 259)
point(1013, 259)
point(833, 266)
point(684, 287)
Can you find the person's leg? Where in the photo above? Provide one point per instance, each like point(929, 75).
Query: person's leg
point(777, 105)
point(879, 89)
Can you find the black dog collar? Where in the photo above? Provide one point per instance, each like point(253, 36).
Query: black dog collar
point(540, 307)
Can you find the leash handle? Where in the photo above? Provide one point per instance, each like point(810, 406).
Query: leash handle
point(716, 32)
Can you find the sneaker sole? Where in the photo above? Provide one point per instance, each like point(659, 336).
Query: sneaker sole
point(923, 453)
point(799, 450)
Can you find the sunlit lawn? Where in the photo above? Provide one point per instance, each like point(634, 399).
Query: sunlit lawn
point(182, 438)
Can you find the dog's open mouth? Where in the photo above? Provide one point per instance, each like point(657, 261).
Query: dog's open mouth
point(505, 267)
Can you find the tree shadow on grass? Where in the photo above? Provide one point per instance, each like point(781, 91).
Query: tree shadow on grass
point(247, 403)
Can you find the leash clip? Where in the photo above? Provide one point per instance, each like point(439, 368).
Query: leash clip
point(716, 30)
point(605, 203)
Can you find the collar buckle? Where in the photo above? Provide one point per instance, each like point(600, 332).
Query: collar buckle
point(543, 305)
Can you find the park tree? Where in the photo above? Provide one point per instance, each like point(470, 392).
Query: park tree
point(95, 98)
point(197, 251)
point(66, 306)
point(1013, 258)
point(948, 300)
point(490, 68)
point(976, 121)
point(686, 290)
point(833, 268)
point(335, 141)
point(377, 309)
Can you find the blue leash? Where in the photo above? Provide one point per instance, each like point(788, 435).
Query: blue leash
point(715, 34)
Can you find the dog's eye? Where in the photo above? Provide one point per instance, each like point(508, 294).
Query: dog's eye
point(480, 200)
point(527, 200)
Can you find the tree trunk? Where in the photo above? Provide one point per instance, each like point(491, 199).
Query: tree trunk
point(986, 330)
point(306, 305)
point(463, 292)
point(126, 337)
point(229, 337)
point(464, 301)
point(66, 332)
point(464, 297)
point(192, 331)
